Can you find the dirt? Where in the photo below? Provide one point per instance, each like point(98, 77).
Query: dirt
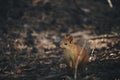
point(30, 45)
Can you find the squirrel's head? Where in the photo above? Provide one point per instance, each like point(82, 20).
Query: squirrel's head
point(67, 41)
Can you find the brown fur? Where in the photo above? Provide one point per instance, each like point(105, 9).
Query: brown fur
point(72, 51)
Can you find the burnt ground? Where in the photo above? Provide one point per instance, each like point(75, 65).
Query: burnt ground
point(30, 44)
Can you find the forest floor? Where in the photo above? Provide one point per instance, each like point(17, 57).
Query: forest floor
point(30, 50)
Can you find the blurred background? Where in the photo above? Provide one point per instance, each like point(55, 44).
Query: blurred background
point(31, 31)
point(96, 15)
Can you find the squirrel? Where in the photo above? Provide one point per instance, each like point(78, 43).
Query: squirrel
point(75, 55)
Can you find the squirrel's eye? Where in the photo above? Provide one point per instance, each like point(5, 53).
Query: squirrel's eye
point(65, 43)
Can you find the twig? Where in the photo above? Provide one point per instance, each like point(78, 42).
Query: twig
point(91, 55)
point(77, 62)
point(110, 3)
point(104, 36)
point(92, 52)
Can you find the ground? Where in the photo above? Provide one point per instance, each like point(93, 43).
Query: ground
point(30, 45)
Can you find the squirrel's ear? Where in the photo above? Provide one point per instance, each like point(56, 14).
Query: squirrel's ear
point(65, 36)
point(71, 39)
